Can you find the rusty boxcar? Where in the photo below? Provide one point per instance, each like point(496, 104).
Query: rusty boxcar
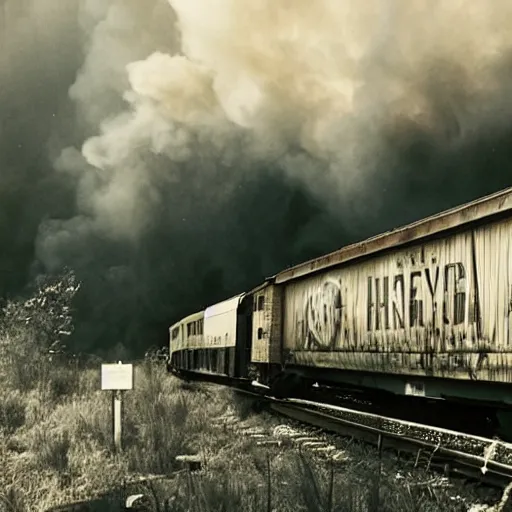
point(266, 333)
point(422, 310)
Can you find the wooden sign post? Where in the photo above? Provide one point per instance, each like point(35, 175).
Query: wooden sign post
point(117, 378)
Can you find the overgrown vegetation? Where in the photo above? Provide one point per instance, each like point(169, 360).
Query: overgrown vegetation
point(56, 439)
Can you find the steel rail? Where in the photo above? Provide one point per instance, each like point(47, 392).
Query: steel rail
point(480, 466)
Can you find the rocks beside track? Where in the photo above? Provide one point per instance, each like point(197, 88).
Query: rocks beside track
point(276, 435)
point(311, 440)
point(488, 449)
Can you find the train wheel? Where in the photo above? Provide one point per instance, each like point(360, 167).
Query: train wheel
point(278, 386)
point(289, 385)
point(504, 428)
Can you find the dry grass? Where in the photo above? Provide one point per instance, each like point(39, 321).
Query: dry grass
point(56, 447)
point(55, 432)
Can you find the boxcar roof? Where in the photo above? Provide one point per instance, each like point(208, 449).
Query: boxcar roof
point(481, 208)
point(268, 281)
point(224, 306)
point(190, 318)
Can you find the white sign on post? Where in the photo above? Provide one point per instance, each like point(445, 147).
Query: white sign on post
point(117, 378)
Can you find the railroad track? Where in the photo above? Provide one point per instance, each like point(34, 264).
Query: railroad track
point(456, 453)
point(473, 419)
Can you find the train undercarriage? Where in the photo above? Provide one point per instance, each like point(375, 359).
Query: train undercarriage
point(479, 408)
point(484, 408)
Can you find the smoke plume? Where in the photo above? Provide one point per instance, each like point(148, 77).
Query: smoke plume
point(176, 152)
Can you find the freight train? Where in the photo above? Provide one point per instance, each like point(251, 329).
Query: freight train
point(424, 311)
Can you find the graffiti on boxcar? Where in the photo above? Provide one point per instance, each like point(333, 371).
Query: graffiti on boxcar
point(400, 301)
point(322, 315)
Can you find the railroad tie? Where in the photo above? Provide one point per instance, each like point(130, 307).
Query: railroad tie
point(313, 444)
point(269, 442)
point(190, 462)
point(298, 435)
point(302, 440)
point(325, 449)
point(252, 431)
point(341, 456)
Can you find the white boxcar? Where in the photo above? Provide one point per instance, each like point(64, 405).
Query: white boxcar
point(220, 322)
point(223, 338)
point(185, 336)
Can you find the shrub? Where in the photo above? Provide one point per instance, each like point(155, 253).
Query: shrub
point(12, 412)
point(32, 328)
point(52, 449)
point(92, 420)
point(24, 363)
point(63, 380)
point(12, 500)
point(159, 433)
point(47, 312)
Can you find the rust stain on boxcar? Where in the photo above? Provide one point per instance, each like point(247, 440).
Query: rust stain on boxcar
point(450, 219)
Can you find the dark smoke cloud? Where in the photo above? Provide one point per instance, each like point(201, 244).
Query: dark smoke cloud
point(39, 56)
point(199, 146)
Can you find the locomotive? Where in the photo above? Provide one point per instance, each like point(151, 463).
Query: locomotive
point(421, 311)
